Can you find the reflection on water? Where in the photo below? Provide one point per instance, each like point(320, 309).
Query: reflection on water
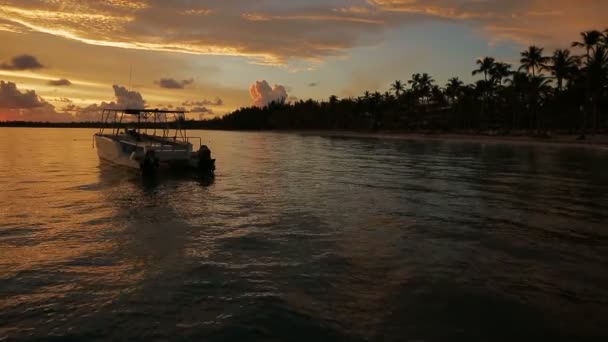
point(304, 238)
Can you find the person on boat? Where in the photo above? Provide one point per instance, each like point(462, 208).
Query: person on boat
point(133, 133)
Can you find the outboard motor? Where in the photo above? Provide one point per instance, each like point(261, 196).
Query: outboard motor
point(150, 163)
point(205, 162)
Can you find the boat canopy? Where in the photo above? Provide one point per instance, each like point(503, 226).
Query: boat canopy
point(143, 121)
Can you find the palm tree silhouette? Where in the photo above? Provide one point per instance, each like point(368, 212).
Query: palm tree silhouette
point(453, 88)
point(590, 39)
point(596, 69)
point(518, 86)
point(422, 85)
point(333, 99)
point(533, 59)
point(563, 66)
point(597, 65)
point(366, 96)
point(454, 83)
point(415, 81)
point(398, 87)
point(485, 65)
point(537, 87)
point(499, 72)
point(377, 97)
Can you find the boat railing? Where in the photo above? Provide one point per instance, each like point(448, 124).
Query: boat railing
point(199, 139)
point(159, 146)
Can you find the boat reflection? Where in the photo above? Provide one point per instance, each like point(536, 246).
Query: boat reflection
point(110, 174)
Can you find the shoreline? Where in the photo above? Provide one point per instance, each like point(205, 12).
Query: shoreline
point(592, 141)
point(598, 141)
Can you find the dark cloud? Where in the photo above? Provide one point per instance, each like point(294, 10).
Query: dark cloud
point(313, 84)
point(204, 102)
point(262, 94)
point(23, 62)
point(124, 99)
point(92, 112)
point(170, 83)
point(26, 105)
point(13, 98)
point(164, 106)
point(128, 98)
point(201, 110)
point(60, 100)
point(60, 82)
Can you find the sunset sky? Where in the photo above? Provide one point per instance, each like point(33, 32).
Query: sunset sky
point(62, 59)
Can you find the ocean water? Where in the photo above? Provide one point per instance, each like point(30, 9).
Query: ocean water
point(304, 238)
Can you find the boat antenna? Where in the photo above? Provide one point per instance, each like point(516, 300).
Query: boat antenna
point(130, 76)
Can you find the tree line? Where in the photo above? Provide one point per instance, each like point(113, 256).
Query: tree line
point(562, 91)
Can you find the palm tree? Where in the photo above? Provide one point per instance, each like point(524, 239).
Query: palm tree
point(415, 81)
point(563, 65)
point(533, 59)
point(453, 88)
point(499, 72)
point(597, 66)
point(427, 80)
point(365, 100)
point(518, 88)
point(397, 87)
point(537, 87)
point(367, 95)
point(437, 95)
point(454, 83)
point(377, 97)
point(597, 75)
point(333, 99)
point(422, 85)
point(388, 97)
point(485, 65)
point(590, 39)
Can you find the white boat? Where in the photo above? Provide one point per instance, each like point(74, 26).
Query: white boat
point(128, 137)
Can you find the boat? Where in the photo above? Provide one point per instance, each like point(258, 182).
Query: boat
point(150, 140)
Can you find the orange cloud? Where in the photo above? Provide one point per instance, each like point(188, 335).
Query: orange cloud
point(552, 22)
point(262, 94)
point(276, 31)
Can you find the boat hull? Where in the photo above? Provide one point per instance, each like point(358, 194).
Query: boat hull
point(112, 151)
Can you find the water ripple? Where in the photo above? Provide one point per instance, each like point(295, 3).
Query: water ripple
point(301, 237)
